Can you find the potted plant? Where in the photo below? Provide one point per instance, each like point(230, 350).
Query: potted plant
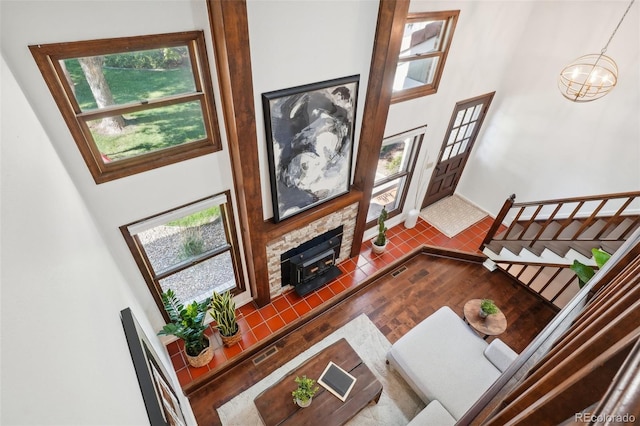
point(586, 272)
point(380, 242)
point(305, 391)
point(223, 311)
point(187, 323)
point(487, 307)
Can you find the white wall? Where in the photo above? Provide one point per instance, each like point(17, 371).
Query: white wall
point(539, 145)
point(123, 201)
point(534, 142)
point(66, 271)
point(301, 42)
point(65, 359)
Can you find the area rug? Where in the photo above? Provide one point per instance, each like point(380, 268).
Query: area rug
point(452, 215)
point(398, 403)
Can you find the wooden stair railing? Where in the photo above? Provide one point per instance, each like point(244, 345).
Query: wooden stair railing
point(584, 364)
point(580, 223)
point(555, 283)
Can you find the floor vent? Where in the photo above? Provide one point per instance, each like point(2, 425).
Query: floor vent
point(398, 271)
point(264, 355)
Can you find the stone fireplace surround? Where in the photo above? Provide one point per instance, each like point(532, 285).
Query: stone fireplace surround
point(345, 217)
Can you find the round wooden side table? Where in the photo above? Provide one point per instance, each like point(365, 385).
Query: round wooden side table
point(492, 325)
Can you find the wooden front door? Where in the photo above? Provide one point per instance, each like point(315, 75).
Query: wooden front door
point(463, 128)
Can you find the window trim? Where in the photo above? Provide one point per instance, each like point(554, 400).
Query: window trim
point(144, 264)
point(417, 135)
point(451, 19)
point(47, 57)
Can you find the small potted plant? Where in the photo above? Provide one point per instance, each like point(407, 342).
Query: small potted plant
point(487, 307)
point(380, 242)
point(305, 391)
point(187, 323)
point(223, 311)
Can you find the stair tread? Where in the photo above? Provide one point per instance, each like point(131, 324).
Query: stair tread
point(561, 248)
point(568, 232)
point(611, 246)
point(620, 230)
point(495, 246)
point(550, 230)
point(584, 247)
point(536, 248)
point(515, 231)
point(514, 247)
point(593, 230)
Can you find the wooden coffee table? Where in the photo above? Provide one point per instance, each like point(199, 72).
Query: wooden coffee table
point(492, 325)
point(276, 407)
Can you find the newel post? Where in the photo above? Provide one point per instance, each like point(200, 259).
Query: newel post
point(498, 220)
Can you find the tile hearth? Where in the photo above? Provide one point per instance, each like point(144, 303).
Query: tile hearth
point(257, 324)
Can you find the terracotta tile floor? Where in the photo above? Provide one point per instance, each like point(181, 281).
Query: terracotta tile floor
point(257, 324)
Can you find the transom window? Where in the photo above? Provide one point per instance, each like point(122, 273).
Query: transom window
point(396, 162)
point(192, 250)
point(424, 49)
point(134, 103)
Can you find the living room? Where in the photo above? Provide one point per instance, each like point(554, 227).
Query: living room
point(533, 142)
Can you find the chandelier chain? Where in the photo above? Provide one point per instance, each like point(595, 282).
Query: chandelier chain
point(604, 49)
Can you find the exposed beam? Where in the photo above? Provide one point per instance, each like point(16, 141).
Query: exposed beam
point(230, 29)
point(386, 48)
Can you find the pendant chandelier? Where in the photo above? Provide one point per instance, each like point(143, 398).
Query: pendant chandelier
point(590, 77)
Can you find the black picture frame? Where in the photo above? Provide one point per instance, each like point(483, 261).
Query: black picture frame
point(160, 400)
point(309, 132)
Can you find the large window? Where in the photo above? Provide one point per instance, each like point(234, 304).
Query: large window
point(424, 49)
point(135, 103)
point(192, 250)
point(396, 162)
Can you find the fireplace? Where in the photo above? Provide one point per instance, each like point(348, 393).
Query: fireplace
point(313, 263)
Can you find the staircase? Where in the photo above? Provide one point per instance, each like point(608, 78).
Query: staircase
point(536, 242)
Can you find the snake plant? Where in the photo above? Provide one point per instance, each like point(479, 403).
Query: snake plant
point(223, 311)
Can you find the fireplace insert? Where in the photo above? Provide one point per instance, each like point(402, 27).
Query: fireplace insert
point(313, 264)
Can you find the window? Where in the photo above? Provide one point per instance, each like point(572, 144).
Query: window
point(136, 103)
point(424, 49)
point(396, 162)
point(192, 250)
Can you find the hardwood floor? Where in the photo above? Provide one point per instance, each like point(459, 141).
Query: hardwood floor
point(394, 304)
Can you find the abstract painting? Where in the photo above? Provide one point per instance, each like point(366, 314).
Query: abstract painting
point(309, 133)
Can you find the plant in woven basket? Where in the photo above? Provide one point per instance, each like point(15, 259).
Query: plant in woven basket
point(223, 311)
point(187, 322)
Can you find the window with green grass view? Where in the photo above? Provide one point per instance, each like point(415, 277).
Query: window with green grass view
point(191, 250)
point(134, 103)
